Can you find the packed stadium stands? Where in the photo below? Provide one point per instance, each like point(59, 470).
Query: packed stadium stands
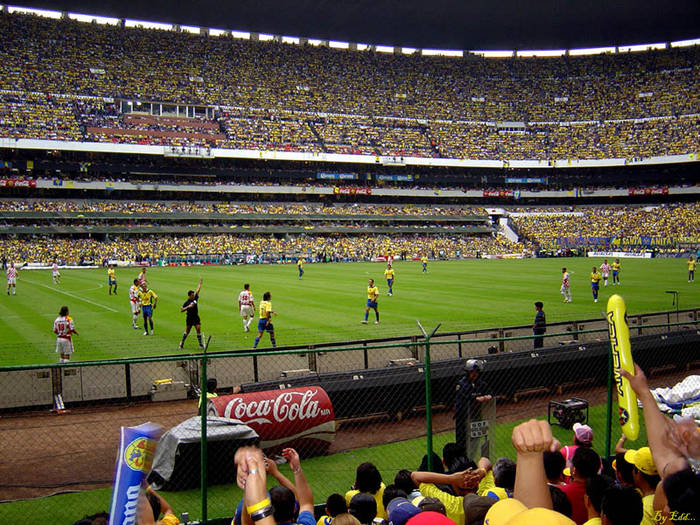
point(273, 96)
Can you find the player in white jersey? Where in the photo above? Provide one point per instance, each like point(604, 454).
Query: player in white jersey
point(64, 328)
point(246, 307)
point(12, 279)
point(565, 286)
point(55, 274)
point(135, 303)
point(605, 270)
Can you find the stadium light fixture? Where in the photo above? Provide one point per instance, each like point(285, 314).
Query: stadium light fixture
point(640, 47)
point(46, 13)
point(338, 45)
point(190, 29)
point(265, 37)
point(216, 32)
point(314, 41)
point(442, 52)
point(408, 50)
point(363, 47)
point(245, 35)
point(290, 40)
point(384, 49)
point(147, 25)
point(541, 53)
point(89, 19)
point(591, 51)
point(505, 53)
point(686, 43)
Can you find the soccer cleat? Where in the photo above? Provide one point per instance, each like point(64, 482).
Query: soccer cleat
point(595, 300)
point(376, 322)
point(179, 346)
point(201, 347)
point(246, 329)
point(363, 322)
point(145, 333)
point(151, 332)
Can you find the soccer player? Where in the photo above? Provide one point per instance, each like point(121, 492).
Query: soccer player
point(265, 321)
point(389, 275)
point(595, 283)
point(565, 286)
point(55, 274)
point(148, 300)
point(300, 266)
point(246, 306)
point(135, 303)
point(190, 306)
point(691, 269)
point(372, 295)
point(64, 328)
point(605, 270)
point(12, 279)
point(424, 260)
point(616, 272)
point(111, 280)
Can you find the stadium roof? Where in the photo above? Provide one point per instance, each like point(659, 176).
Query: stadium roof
point(441, 24)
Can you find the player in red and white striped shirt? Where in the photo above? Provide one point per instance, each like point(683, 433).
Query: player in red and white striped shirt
point(12, 279)
point(64, 328)
point(246, 306)
point(55, 274)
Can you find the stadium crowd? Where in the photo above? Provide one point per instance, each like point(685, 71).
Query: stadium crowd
point(602, 226)
point(336, 248)
point(273, 96)
point(234, 208)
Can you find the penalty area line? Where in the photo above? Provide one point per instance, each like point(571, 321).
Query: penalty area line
point(71, 295)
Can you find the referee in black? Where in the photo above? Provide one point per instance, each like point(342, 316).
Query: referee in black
point(190, 306)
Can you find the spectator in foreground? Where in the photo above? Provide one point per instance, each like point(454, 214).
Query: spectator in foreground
point(368, 480)
point(595, 489)
point(335, 505)
point(621, 506)
point(586, 463)
point(151, 505)
point(646, 478)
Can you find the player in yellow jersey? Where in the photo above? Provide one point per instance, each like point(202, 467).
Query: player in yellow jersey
point(424, 260)
point(148, 299)
point(691, 269)
point(616, 272)
point(389, 276)
point(111, 280)
point(372, 295)
point(300, 266)
point(596, 276)
point(265, 321)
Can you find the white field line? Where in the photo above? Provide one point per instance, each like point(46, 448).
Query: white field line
point(54, 289)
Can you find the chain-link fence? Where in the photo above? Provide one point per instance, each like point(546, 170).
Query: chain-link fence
point(385, 402)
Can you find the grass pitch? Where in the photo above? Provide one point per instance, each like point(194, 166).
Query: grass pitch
point(326, 305)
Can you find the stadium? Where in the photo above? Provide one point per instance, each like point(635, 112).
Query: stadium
point(403, 212)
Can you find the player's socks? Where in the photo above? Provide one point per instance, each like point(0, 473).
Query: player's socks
point(272, 340)
point(182, 343)
point(366, 316)
point(255, 344)
point(199, 340)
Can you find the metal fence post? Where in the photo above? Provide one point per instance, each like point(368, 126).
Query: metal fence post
point(428, 397)
point(609, 402)
point(203, 441)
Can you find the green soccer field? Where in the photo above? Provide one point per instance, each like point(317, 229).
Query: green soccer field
point(327, 305)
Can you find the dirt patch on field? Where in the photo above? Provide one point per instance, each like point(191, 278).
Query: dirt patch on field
point(45, 453)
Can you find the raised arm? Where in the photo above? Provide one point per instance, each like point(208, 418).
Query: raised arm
point(199, 287)
point(530, 440)
point(272, 470)
point(303, 490)
point(667, 457)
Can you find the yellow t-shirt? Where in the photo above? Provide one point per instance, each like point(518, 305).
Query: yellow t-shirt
point(147, 298)
point(110, 274)
point(691, 266)
point(424, 260)
point(649, 513)
point(324, 520)
point(300, 263)
point(389, 273)
point(265, 309)
point(615, 266)
point(596, 277)
point(372, 293)
point(381, 511)
point(594, 521)
point(454, 505)
point(169, 519)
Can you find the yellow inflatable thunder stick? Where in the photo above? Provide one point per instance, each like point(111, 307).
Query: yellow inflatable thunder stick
point(622, 359)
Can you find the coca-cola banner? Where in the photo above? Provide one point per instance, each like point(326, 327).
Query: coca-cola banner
point(648, 191)
point(17, 183)
point(301, 418)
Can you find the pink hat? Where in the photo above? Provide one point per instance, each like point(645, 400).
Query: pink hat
point(584, 433)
